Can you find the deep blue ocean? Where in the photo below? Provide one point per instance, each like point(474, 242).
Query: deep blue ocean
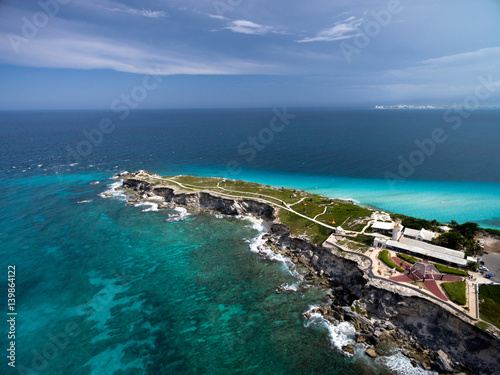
point(105, 288)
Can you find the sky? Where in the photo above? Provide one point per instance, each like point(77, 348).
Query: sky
point(85, 54)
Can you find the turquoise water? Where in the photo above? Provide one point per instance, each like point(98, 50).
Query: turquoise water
point(105, 288)
point(340, 153)
point(441, 200)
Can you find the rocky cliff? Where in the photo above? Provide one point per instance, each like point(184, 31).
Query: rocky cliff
point(425, 331)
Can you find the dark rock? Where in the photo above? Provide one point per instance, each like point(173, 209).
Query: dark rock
point(415, 322)
point(426, 366)
point(308, 254)
point(442, 363)
point(366, 337)
point(348, 349)
point(303, 260)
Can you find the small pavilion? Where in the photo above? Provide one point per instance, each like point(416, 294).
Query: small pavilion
point(423, 271)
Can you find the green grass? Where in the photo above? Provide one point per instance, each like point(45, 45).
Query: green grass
point(450, 270)
point(489, 303)
point(482, 325)
point(385, 257)
point(300, 226)
point(407, 258)
point(456, 291)
point(349, 215)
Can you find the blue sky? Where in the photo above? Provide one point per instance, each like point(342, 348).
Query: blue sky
point(246, 53)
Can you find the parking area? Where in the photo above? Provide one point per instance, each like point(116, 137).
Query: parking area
point(492, 262)
point(491, 258)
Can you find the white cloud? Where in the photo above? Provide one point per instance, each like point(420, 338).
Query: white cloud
point(216, 16)
point(490, 54)
point(342, 30)
point(249, 27)
point(73, 50)
point(141, 12)
point(463, 67)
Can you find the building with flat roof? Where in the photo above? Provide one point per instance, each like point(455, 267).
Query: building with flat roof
point(427, 250)
point(419, 235)
point(382, 226)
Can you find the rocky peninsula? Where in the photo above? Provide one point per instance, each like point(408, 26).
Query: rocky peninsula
point(385, 317)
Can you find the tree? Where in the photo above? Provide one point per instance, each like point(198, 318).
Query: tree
point(451, 240)
point(468, 230)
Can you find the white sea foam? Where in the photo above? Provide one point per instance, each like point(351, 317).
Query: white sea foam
point(401, 365)
point(85, 201)
point(285, 287)
point(181, 215)
point(254, 223)
point(340, 334)
point(257, 245)
point(112, 192)
point(151, 206)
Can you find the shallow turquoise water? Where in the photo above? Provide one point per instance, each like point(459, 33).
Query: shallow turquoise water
point(441, 200)
point(105, 288)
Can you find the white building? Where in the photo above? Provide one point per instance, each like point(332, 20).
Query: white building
point(419, 235)
point(416, 242)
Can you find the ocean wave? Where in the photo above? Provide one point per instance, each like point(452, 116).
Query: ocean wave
point(401, 365)
point(340, 334)
point(151, 206)
point(344, 333)
point(182, 214)
point(112, 192)
point(254, 223)
point(285, 287)
point(257, 245)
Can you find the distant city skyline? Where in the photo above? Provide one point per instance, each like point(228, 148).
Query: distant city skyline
point(88, 54)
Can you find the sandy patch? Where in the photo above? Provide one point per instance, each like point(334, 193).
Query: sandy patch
point(491, 244)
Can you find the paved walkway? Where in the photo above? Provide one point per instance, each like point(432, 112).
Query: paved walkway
point(431, 285)
point(402, 279)
point(472, 299)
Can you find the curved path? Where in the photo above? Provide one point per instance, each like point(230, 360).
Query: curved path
point(282, 204)
point(285, 206)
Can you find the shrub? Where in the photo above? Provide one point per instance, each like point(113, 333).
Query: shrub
point(457, 291)
point(493, 231)
point(408, 258)
point(450, 270)
point(385, 257)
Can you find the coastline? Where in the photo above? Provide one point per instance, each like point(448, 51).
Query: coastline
point(382, 316)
